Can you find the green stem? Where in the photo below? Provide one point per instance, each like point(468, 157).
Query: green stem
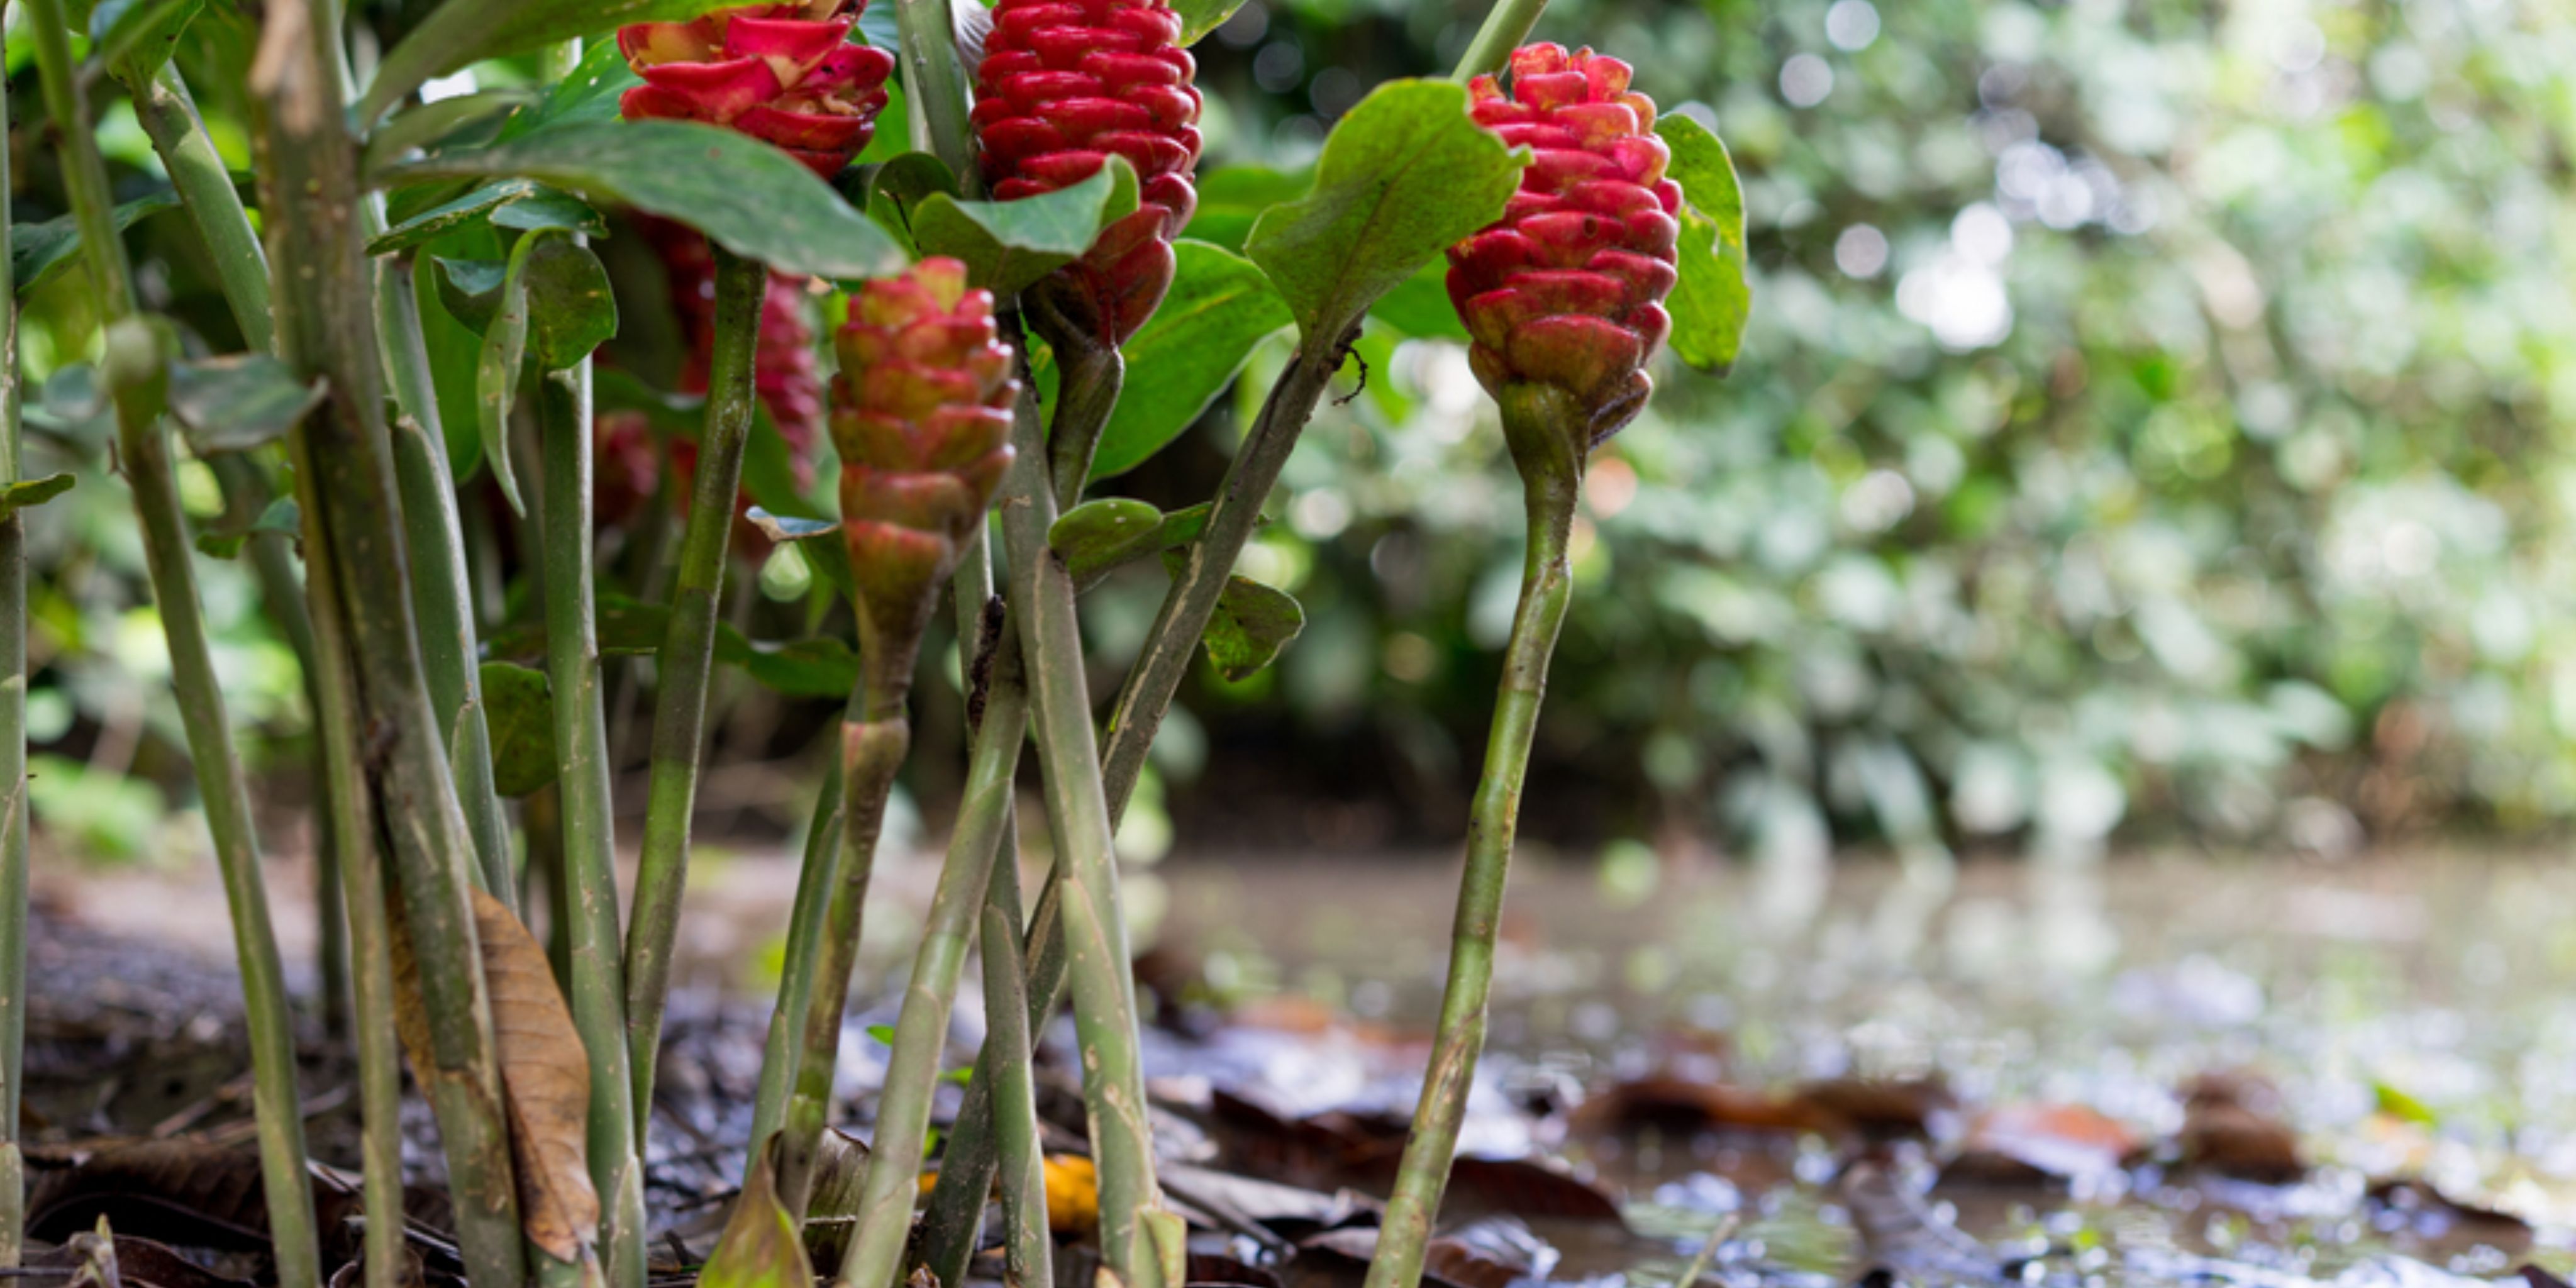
point(1078, 814)
point(934, 85)
point(804, 935)
point(1507, 26)
point(921, 1029)
point(205, 187)
point(1552, 474)
point(1088, 392)
point(1020, 1158)
point(352, 830)
point(873, 749)
point(687, 660)
point(13, 753)
point(442, 597)
point(589, 828)
point(322, 298)
point(136, 379)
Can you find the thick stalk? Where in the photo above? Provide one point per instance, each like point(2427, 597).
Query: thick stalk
point(442, 597)
point(1552, 475)
point(1018, 1155)
point(351, 823)
point(321, 294)
point(1095, 931)
point(589, 826)
point(921, 1029)
point(1087, 394)
point(805, 919)
point(13, 754)
point(686, 661)
point(873, 748)
point(136, 377)
point(1507, 25)
point(934, 83)
point(205, 187)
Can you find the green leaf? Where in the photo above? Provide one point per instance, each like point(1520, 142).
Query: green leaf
point(29, 493)
point(133, 38)
point(588, 96)
point(1199, 17)
point(1419, 308)
point(1252, 623)
point(240, 402)
point(1170, 532)
point(760, 1246)
point(1220, 306)
point(1009, 245)
point(769, 465)
point(520, 712)
point(470, 289)
point(1232, 198)
point(511, 203)
point(496, 371)
point(453, 350)
point(38, 251)
point(750, 197)
point(896, 189)
point(571, 310)
point(1094, 531)
point(883, 1033)
point(1710, 302)
point(430, 124)
point(2388, 1099)
point(282, 517)
point(820, 667)
point(1403, 175)
point(468, 31)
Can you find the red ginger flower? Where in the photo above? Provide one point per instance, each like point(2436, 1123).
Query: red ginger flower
point(921, 412)
point(782, 73)
point(1066, 84)
point(1567, 288)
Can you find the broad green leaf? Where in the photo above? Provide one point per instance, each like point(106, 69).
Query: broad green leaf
point(1419, 308)
point(1710, 302)
point(1220, 306)
point(1232, 198)
point(570, 308)
point(820, 667)
point(453, 350)
point(1403, 175)
point(29, 493)
point(1009, 245)
point(468, 31)
point(1252, 623)
point(750, 197)
point(588, 96)
point(38, 251)
point(1170, 532)
point(1199, 17)
point(430, 124)
point(895, 189)
point(760, 1246)
point(769, 465)
point(512, 203)
point(133, 38)
point(240, 402)
point(1096, 531)
point(282, 517)
point(519, 709)
point(496, 371)
point(470, 289)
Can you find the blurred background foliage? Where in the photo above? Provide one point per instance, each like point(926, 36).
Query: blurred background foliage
point(2145, 432)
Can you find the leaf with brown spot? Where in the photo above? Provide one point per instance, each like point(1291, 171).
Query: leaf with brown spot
point(759, 1247)
point(545, 1074)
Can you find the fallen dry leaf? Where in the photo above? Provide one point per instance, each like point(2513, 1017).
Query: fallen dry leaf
point(2036, 1144)
point(2232, 1126)
point(1683, 1106)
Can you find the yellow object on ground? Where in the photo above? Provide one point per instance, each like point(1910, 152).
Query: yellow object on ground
point(1072, 1191)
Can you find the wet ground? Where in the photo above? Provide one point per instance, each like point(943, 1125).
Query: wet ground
point(2161, 1069)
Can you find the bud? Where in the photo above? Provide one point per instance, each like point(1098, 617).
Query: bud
point(1063, 86)
point(782, 73)
point(1566, 290)
point(921, 413)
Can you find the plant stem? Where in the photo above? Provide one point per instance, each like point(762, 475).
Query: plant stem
point(1095, 932)
point(1092, 375)
point(205, 187)
point(778, 1054)
point(1551, 469)
point(589, 827)
point(921, 1029)
point(442, 597)
point(873, 748)
point(136, 378)
point(345, 482)
point(351, 823)
point(1507, 25)
point(13, 753)
point(934, 84)
point(687, 658)
point(1020, 1160)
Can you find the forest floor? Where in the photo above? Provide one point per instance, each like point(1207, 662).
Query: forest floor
point(2158, 1069)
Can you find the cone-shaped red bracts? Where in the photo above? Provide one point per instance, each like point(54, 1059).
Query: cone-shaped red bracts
point(1066, 84)
point(1567, 288)
point(782, 73)
point(921, 413)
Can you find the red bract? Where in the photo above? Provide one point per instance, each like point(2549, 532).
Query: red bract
point(782, 73)
point(1065, 85)
point(921, 414)
point(1567, 288)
